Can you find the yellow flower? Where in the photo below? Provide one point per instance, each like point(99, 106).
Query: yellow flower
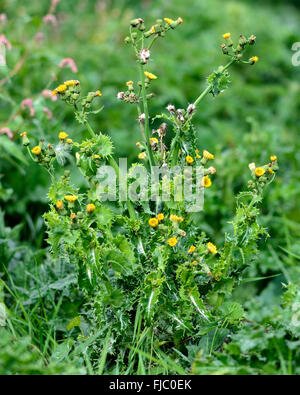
point(138, 144)
point(194, 263)
point(153, 140)
point(142, 155)
point(36, 150)
point(72, 215)
point(71, 82)
point(71, 198)
point(96, 156)
point(206, 182)
point(54, 92)
point(273, 158)
point(212, 248)
point(207, 155)
point(150, 75)
point(226, 36)
point(253, 59)
point(59, 204)
point(259, 171)
point(63, 135)
point(61, 88)
point(168, 20)
point(189, 159)
point(90, 208)
point(160, 217)
point(153, 222)
point(270, 171)
point(69, 141)
point(129, 83)
point(175, 218)
point(23, 134)
point(191, 249)
point(98, 93)
point(152, 30)
point(172, 241)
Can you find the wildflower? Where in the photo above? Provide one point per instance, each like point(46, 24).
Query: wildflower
point(191, 249)
point(191, 108)
point(144, 55)
point(28, 103)
point(153, 141)
point(194, 263)
point(171, 108)
point(48, 113)
point(50, 18)
point(197, 154)
point(120, 95)
point(63, 135)
point(153, 222)
point(36, 150)
point(71, 198)
point(252, 166)
point(252, 39)
point(150, 76)
point(168, 20)
point(175, 218)
point(54, 92)
point(72, 215)
point(259, 171)
point(160, 217)
point(59, 204)
point(69, 62)
point(129, 83)
point(4, 41)
point(179, 20)
point(206, 182)
point(61, 88)
point(211, 170)
point(90, 208)
point(142, 118)
point(273, 158)
point(207, 155)
point(212, 248)
point(8, 132)
point(253, 59)
point(48, 94)
point(98, 93)
point(69, 141)
point(23, 134)
point(226, 36)
point(142, 155)
point(96, 156)
point(270, 171)
point(152, 30)
point(189, 159)
point(172, 241)
point(71, 82)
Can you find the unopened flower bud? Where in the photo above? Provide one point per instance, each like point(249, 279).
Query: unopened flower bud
point(171, 108)
point(121, 95)
point(191, 108)
point(224, 49)
point(127, 40)
point(252, 39)
point(242, 40)
point(142, 118)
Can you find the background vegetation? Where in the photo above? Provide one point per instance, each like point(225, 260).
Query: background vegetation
point(258, 116)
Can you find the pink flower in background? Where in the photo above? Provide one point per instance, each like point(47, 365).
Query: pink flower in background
point(3, 18)
point(39, 36)
point(7, 131)
point(53, 5)
point(48, 113)
point(48, 94)
point(50, 18)
point(69, 62)
point(28, 103)
point(4, 41)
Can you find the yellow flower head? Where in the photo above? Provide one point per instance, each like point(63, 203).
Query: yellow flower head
point(206, 182)
point(142, 155)
point(63, 135)
point(54, 92)
point(98, 93)
point(226, 36)
point(172, 241)
point(96, 156)
point(59, 204)
point(259, 171)
point(254, 59)
point(211, 248)
point(150, 76)
point(23, 134)
point(153, 222)
point(189, 159)
point(160, 217)
point(191, 249)
point(138, 144)
point(270, 171)
point(273, 158)
point(207, 155)
point(72, 215)
point(152, 30)
point(90, 208)
point(61, 88)
point(69, 141)
point(168, 20)
point(175, 218)
point(194, 263)
point(71, 82)
point(71, 198)
point(129, 83)
point(36, 150)
point(153, 140)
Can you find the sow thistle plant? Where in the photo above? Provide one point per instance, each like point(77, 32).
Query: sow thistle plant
point(150, 275)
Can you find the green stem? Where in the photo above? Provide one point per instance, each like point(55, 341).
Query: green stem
point(92, 133)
